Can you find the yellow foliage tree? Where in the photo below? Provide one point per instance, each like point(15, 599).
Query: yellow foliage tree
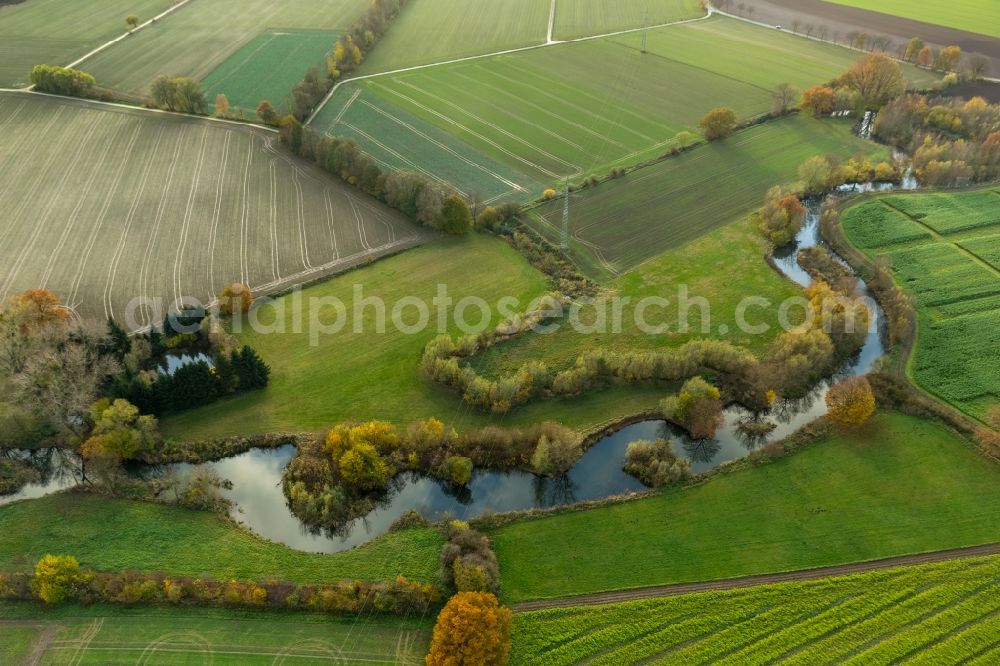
point(851, 402)
point(718, 123)
point(473, 628)
point(58, 578)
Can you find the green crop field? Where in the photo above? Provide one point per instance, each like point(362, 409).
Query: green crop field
point(581, 108)
point(623, 222)
point(902, 485)
point(57, 32)
point(429, 31)
point(102, 635)
point(351, 376)
point(580, 18)
point(124, 204)
point(268, 67)
point(204, 34)
point(943, 249)
point(110, 535)
point(705, 266)
point(971, 15)
point(400, 140)
point(929, 614)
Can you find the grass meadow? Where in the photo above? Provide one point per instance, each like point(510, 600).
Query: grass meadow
point(968, 15)
point(943, 249)
point(268, 67)
point(57, 32)
point(902, 485)
point(358, 376)
point(204, 34)
point(107, 534)
point(105, 634)
point(930, 614)
point(430, 31)
point(582, 18)
point(123, 204)
point(621, 223)
point(706, 266)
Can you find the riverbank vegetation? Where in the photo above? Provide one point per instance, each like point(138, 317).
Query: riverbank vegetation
point(844, 498)
point(59, 579)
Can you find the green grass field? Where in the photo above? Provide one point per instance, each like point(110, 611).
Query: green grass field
point(57, 32)
point(401, 140)
point(971, 15)
point(352, 376)
point(102, 635)
point(706, 266)
point(902, 485)
point(125, 204)
point(430, 31)
point(943, 249)
point(268, 67)
point(110, 535)
point(581, 108)
point(580, 18)
point(945, 613)
point(621, 223)
point(204, 34)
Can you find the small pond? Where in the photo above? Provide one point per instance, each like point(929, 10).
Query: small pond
point(175, 361)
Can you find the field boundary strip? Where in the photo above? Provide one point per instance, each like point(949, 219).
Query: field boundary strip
point(128, 33)
point(814, 38)
point(480, 56)
point(818, 573)
point(83, 101)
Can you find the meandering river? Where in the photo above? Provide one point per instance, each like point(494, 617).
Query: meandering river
point(259, 504)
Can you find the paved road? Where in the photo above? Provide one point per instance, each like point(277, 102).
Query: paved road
point(844, 20)
point(763, 579)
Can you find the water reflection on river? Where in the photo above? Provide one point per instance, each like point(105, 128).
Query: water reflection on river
point(259, 503)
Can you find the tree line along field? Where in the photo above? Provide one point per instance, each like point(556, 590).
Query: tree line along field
point(398, 139)
point(126, 204)
point(930, 614)
point(115, 635)
point(268, 67)
point(60, 31)
point(970, 15)
point(582, 18)
point(204, 34)
point(575, 109)
point(943, 249)
point(618, 224)
point(899, 486)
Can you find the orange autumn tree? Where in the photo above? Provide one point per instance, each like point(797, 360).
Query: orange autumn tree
point(472, 629)
point(235, 298)
point(851, 402)
point(818, 101)
point(39, 308)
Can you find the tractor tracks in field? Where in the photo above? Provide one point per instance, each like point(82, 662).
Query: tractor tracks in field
point(801, 575)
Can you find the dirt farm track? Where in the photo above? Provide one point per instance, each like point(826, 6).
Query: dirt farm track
point(843, 19)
